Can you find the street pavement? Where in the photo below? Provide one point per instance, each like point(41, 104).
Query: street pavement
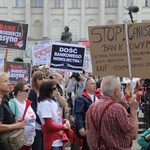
point(135, 145)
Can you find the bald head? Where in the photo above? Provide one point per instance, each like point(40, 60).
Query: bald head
point(109, 84)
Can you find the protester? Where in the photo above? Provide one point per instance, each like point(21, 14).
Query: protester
point(59, 99)
point(144, 140)
point(18, 105)
point(108, 124)
point(77, 83)
point(82, 104)
point(37, 78)
point(50, 116)
point(55, 76)
point(7, 118)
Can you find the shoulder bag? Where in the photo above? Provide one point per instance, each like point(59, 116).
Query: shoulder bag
point(14, 140)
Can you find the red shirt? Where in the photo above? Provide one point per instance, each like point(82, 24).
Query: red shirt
point(116, 124)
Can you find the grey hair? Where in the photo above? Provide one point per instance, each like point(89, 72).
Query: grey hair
point(109, 84)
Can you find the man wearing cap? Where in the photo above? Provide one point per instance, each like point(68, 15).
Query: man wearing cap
point(82, 104)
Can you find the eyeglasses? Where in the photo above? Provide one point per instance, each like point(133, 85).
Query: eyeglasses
point(41, 78)
point(27, 90)
point(54, 88)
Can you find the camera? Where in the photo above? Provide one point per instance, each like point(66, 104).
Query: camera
point(76, 76)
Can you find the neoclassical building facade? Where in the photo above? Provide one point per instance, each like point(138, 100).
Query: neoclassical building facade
point(47, 18)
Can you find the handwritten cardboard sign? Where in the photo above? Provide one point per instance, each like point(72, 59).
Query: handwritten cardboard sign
point(109, 50)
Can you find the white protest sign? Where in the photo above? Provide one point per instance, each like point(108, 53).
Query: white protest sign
point(87, 63)
point(41, 54)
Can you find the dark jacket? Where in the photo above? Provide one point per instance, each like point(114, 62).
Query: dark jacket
point(82, 103)
point(33, 98)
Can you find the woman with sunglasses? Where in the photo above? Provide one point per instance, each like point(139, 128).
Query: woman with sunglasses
point(37, 78)
point(7, 118)
point(50, 116)
point(18, 104)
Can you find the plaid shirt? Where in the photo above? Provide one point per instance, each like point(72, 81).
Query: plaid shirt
point(115, 126)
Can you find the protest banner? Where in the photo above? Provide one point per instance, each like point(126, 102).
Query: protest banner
point(41, 54)
point(67, 57)
point(13, 35)
point(18, 71)
point(109, 50)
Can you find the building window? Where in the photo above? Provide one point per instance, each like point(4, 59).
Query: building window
point(2, 3)
point(130, 2)
point(74, 3)
point(20, 3)
point(57, 4)
point(57, 29)
point(75, 30)
point(37, 3)
point(147, 2)
point(92, 3)
point(110, 3)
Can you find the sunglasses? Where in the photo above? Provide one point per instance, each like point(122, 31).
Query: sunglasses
point(41, 78)
point(27, 90)
point(54, 88)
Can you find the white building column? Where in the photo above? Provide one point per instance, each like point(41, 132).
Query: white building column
point(101, 12)
point(45, 18)
point(66, 13)
point(120, 11)
point(10, 5)
point(83, 23)
point(28, 16)
point(139, 13)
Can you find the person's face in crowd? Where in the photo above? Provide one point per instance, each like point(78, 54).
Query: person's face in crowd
point(56, 79)
point(47, 69)
point(25, 92)
point(54, 91)
point(60, 80)
point(40, 80)
point(36, 67)
point(91, 86)
point(4, 84)
point(117, 92)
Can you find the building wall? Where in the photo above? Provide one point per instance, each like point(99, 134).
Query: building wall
point(46, 21)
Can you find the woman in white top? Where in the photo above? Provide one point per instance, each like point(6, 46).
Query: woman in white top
point(50, 116)
point(18, 105)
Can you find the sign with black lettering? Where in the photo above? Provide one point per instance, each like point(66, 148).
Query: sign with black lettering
point(18, 71)
point(67, 57)
point(109, 50)
point(13, 35)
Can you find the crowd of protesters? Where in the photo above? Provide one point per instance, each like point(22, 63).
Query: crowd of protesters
point(60, 102)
